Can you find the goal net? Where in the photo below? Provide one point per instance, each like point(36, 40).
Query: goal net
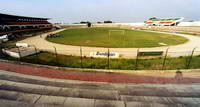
point(121, 31)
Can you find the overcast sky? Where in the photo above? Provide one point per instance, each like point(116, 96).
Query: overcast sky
point(70, 11)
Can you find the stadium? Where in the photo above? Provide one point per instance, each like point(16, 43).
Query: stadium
point(156, 39)
point(98, 64)
point(164, 22)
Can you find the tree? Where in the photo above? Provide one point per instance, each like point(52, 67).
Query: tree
point(89, 24)
point(83, 22)
point(108, 21)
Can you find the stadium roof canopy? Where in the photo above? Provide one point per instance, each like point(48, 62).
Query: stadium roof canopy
point(21, 17)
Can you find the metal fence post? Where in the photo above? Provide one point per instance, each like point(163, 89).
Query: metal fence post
point(108, 58)
point(1, 51)
point(19, 53)
point(165, 59)
point(81, 55)
point(56, 54)
point(137, 59)
point(92, 61)
point(35, 50)
point(190, 60)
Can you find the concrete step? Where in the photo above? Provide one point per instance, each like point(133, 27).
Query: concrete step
point(47, 82)
point(25, 99)
point(38, 91)
point(59, 91)
point(122, 89)
point(166, 90)
point(33, 99)
point(95, 94)
point(161, 100)
point(11, 103)
point(10, 90)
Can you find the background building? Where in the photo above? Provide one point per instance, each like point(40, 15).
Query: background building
point(163, 22)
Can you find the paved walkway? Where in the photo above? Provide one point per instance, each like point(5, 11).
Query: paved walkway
point(174, 51)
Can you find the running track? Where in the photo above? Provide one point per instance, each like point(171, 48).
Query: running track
point(50, 72)
point(174, 51)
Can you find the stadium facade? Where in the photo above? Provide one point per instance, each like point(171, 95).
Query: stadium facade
point(17, 24)
point(163, 22)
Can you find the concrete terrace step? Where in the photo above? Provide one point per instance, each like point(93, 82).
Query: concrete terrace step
point(124, 89)
point(28, 91)
point(85, 103)
point(33, 98)
point(114, 94)
point(68, 84)
point(162, 100)
point(37, 100)
point(58, 91)
point(10, 103)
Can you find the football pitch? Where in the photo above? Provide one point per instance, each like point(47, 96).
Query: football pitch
point(115, 38)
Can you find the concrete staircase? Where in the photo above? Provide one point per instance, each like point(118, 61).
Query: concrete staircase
point(18, 90)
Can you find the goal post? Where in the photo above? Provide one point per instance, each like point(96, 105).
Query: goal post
point(123, 32)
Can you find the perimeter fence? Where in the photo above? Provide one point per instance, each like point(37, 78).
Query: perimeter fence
point(109, 58)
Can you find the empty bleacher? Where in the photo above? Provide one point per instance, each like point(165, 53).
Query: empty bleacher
point(15, 24)
point(18, 90)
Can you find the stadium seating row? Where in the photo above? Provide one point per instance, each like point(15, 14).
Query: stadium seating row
point(14, 24)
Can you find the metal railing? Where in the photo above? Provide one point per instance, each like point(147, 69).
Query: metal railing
point(158, 61)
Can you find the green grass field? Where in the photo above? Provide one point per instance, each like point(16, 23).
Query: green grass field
point(98, 37)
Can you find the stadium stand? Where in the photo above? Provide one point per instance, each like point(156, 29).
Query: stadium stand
point(10, 24)
point(163, 22)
